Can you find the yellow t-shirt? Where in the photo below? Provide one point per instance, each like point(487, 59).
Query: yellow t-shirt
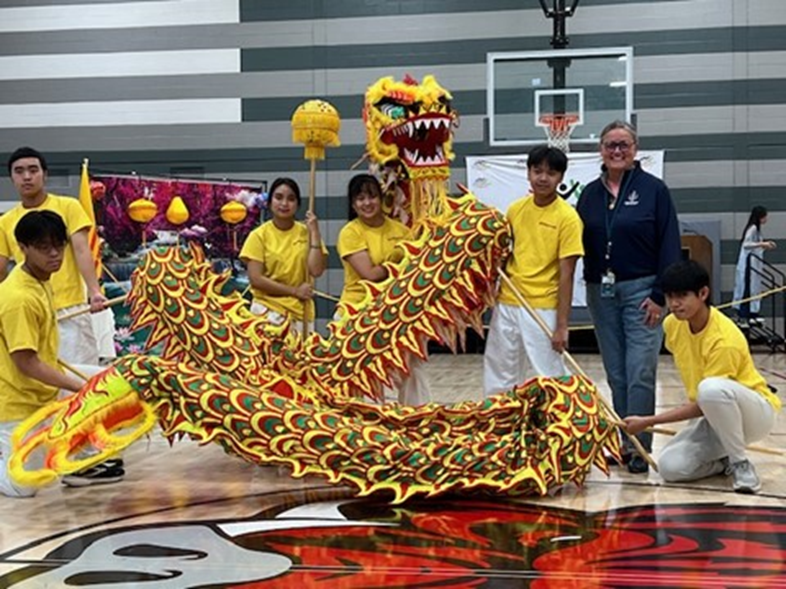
point(283, 254)
point(542, 236)
point(720, 349)
point(27, 322)
point(380, 243)
point(67, 283)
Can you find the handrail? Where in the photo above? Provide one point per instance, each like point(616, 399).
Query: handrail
point(767, 274)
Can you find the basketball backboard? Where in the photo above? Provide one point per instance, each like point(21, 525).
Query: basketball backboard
point(525, 89)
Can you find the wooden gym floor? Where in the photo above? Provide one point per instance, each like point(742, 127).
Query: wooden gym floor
point(191, 516)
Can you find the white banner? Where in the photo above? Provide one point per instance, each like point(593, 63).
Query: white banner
point(499, 180)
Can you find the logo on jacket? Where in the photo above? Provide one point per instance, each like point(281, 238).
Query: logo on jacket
point(632, 200)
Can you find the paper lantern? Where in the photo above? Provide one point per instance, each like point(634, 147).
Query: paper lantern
point(97, 190)
point(316, 123)
point(176, 212)
point(142, 210)
point(233, 212)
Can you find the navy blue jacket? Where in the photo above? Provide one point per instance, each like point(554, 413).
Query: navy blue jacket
point(645, 234)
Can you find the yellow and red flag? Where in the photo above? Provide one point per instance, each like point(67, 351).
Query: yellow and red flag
point(86, 200)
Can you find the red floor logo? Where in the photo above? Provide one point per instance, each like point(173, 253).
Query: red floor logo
point(456, 544)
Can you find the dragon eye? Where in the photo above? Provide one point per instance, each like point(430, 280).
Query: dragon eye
point(392, 110)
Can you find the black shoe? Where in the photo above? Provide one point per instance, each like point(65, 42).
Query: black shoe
point(638, 465)
point(100, 474)
point(611, 461)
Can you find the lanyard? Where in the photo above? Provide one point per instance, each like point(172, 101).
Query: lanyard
point(609, 219)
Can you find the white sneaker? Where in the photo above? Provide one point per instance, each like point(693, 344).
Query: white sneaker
point(744, 477)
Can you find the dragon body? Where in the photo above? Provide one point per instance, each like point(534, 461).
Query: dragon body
point(272, 397)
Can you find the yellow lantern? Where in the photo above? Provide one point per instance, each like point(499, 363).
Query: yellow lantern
point(142, 210)
point(316, 124)
point(176, 212)
point(233, 212)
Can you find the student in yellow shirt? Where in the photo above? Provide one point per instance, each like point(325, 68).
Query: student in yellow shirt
point(369, 239)
point(76, 283)
point(29, 374)
point(275, 254)
point(546, 245)
point(729, 402)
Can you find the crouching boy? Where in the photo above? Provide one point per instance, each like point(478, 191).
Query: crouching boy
point(728, 400)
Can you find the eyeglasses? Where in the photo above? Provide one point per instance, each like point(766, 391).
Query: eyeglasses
point(613, 146)
point(46, 248)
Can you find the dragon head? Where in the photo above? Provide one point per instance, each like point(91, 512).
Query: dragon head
point(409, 139)
point(410, 123)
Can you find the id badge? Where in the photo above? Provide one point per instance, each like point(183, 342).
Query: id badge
point(607, 285)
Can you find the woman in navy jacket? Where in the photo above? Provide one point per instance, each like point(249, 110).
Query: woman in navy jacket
point(631, 235)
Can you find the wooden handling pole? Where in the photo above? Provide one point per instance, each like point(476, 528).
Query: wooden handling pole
point(312, 196)
point(326, 296)
point(759, 449)
point(109, 303)
point(73, 370)
point(575, 366)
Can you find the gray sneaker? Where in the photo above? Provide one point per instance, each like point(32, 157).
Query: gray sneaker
point(744, 477)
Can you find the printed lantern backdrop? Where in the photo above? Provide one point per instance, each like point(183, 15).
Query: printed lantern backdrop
point(202, 199)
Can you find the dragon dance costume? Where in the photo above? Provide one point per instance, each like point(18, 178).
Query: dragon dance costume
point(268, 395)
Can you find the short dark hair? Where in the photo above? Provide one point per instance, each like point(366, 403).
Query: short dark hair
point(358, 184)
point(24, 152)
point(41, 227)
point(685, 276)
point(555, 158)
point(285, 182)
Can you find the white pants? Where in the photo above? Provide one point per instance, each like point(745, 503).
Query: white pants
point(734, 416)
point(7, 486)
point(276, 318)
point(104, 330)
point(414, 389)
point(78, 343)
point(515, 342)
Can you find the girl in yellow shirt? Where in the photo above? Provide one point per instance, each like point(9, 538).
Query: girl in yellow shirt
point(368, 240)
point(276, 255)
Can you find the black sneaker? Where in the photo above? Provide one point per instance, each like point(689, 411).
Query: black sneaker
point(611, 461)
point(113, 463)
point(100, 474)
point(638, 465)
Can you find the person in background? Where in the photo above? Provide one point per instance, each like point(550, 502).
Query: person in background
point(367, 241)
point(29, 372)
point(546, 245)
point(631, 235)
point(752, 248)
point(729, 402)
point(276, 254)
point(75, 285)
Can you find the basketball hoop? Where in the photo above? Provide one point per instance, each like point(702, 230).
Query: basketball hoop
point(558, 128)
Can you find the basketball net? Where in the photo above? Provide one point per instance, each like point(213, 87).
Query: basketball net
point(558, 129)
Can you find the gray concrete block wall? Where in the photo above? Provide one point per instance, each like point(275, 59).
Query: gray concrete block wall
point(213, 88)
